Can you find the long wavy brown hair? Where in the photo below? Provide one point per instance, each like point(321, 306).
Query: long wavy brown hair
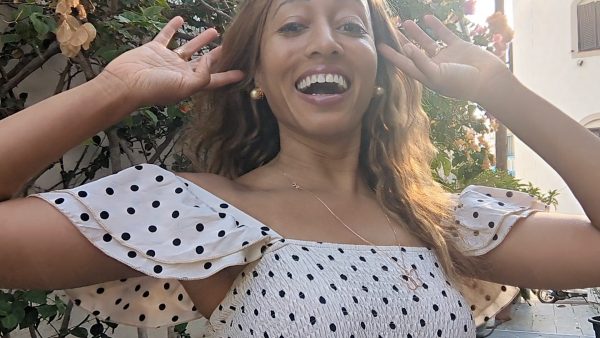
point(231, 135)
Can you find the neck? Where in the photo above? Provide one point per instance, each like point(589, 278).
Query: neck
point(321, 165)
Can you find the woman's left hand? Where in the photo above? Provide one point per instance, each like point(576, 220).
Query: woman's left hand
point(460, 70)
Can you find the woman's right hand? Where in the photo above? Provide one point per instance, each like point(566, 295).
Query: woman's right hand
point(154, 75)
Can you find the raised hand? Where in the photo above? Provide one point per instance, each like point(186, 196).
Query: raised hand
point(153, 74)
point(460, 70)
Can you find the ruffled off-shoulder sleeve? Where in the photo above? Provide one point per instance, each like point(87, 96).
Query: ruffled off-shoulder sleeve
point(485, 216)
point(163, 226)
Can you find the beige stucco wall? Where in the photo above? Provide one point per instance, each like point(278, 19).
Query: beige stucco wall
point(544, 61)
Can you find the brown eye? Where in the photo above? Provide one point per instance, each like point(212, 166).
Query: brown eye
point(353, 28)
point(292, 27)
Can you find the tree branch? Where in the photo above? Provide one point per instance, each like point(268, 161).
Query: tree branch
point(114, 149)
point(30, 68)
point(211, 8)
point(86, 66)
point(159, 150)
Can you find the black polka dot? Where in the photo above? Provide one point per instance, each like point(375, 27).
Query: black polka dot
point(332, 327)
point(312, 320)
point(207, 265)
point(475, 214)
point(150, 253)
point(491, 225)
point(162, 307)
point(125, 236)
point(199, 227)
point(82, 194)
point(221, 233)
point(146, 294)
point(158, 269)
point(495, 238)
point(142, 317)
point(177, 242)
point(131, 254)
point(139, 167)
point(77, 302)
point(199, 249)
point(322, 300)
point(175, 214)
point(422, 322)
point(159, 178)
point(175, 318)
point(100, 291)
point(118, 301)
point(392, 325)
point(509, 194)
point(439, 333)
point(156, 204)
point(107, 238)
point(130, 210)
point(84, 217)
point(501, 204)
point(178, 191)
point(222, 215)
point(224, 205)
point(104, 215)
point(96, 313)
point(452, 316)
point(134, 188)
point(180, 297)
point(152, 228)
point(109, 191)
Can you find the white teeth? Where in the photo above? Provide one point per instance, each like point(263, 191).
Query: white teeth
point(322, 78)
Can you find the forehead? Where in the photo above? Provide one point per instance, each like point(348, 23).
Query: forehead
point(361, 5)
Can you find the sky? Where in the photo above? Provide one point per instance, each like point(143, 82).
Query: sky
point(485, 8)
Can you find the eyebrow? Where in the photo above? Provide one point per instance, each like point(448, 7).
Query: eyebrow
point(285, 2)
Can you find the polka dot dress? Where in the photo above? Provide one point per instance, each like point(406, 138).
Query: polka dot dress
point(171, 229)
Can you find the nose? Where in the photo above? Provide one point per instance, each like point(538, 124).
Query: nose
point(323, 41)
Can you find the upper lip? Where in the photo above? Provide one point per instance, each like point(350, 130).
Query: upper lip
point(324, 69)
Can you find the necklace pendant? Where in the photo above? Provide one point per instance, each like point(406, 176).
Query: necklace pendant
point(414, 282)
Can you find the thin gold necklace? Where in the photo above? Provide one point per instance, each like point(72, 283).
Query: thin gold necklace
point(410, 276)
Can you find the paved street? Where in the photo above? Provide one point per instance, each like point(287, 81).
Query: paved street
point(567, 318)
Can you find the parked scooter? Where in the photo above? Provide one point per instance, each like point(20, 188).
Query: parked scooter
point(552, 296)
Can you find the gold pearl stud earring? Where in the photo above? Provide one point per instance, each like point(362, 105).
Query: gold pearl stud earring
point(379, 91)
point(257, 94)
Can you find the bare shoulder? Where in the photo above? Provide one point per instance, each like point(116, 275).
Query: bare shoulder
point(218, 185)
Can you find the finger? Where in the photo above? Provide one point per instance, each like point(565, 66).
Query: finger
point(402, 62)
point(198, 42)
point(442, 32)
point(420, 37)
point(402, 38)
point(222, 79)
point(166, 34)
point(423, 62)
point(212, 57)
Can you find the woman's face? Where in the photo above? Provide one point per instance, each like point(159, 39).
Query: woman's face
point(318, 64)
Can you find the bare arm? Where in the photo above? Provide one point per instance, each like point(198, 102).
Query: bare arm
point(39, 245)
point(40, 134)
point(562, 142)
point(537, 245)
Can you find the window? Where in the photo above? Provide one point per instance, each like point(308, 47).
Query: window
point(588, 25)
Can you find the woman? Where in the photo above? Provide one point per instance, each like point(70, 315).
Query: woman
point(318, 213)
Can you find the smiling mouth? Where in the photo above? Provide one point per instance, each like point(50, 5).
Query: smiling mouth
point(323, 84)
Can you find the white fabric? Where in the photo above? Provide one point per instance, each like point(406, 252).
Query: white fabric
point(170, 229)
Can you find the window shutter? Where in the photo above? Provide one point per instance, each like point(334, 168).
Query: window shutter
point(597, 3)
point(587, 26)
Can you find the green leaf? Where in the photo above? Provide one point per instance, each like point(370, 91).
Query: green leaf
point(36, 296)
point(39, 24)
point(47, 311)
point(150, 115)
point(10, 38)
point(79, 332)
point(153, 12)
point(9, 322)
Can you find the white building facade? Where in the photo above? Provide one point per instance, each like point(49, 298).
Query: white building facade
point(557, 55)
